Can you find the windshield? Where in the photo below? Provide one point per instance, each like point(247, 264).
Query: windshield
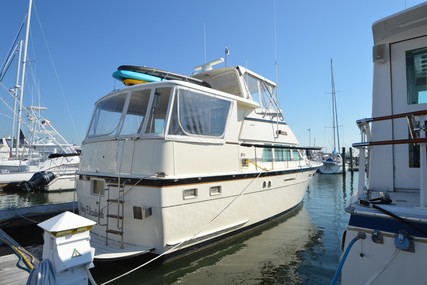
point(107, 115)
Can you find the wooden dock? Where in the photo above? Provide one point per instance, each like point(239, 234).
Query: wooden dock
point(16, 218)
point(10, 273)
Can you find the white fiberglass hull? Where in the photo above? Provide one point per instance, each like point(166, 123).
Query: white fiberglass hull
point(393, 251)
point(173, 223)
point(331, 168)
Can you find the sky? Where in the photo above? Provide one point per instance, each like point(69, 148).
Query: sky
point(75, 46)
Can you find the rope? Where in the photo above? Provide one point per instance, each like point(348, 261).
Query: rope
point(42, 274)
point(353, 241)
point(256, 165)
point(376, 275)
point(21, 253)
point(184, 241)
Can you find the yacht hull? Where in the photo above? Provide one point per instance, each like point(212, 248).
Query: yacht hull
point(390, 245)
point(174, 223)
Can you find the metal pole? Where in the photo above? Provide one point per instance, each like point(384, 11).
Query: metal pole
point(24, 64)
point(15, 94)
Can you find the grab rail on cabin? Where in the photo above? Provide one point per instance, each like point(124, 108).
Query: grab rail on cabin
point(416, 123)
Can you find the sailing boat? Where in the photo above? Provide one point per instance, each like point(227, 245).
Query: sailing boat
point(333, 162)
point(48, 152)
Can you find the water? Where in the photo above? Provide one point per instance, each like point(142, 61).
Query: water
point(302, 248)
point(16, 199)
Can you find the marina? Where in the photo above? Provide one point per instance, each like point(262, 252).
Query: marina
point(201, 176)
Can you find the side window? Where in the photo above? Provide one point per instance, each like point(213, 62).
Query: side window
point(267, 155)
point(287, 154)
point(159, 107)
point(198, 114)
point(416, 76)
point(278, 154)
point(296, 155)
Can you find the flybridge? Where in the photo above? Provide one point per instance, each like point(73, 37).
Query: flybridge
point(237, 81)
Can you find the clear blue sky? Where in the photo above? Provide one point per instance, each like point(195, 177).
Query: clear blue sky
point(76, 45)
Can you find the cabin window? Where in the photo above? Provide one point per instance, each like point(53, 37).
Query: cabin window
point(260, 91)
point(416, 76)
point(198, 114)
point(106, 118)
point(159, 107)
point(282, 154)
point(136, 111)
point(296, 155)
point(278, 154)
point(267, 155)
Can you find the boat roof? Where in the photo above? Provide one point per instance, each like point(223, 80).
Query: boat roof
point(399, 23)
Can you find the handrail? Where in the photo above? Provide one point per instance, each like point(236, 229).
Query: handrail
point(416, 137)
point(390, 117)
point(391, 142)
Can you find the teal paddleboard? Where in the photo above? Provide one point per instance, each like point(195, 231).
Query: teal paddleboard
point(127, 74)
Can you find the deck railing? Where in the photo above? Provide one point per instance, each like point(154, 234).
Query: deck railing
point(417, 131)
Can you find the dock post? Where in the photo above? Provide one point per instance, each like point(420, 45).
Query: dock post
point(343, 161)
point(351, 160)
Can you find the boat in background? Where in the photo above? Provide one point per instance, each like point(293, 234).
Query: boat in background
point(333, 163)
point(46, 152)
point(386, 238)
point(170, 165)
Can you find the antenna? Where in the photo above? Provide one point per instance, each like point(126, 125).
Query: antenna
point(227, 52)
point(204, 39)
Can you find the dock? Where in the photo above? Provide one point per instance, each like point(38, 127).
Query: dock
point(10, 273)
point(16, 218)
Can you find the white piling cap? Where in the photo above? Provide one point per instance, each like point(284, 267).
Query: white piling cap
point(64, 222)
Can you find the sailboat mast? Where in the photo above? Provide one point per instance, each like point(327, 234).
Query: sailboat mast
point(15, 96)
point(333, 107)
point(334, 112)
point(24, 64)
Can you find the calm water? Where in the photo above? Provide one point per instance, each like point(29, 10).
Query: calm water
point(300, 249)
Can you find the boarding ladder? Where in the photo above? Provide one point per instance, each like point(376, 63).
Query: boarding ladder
point(115, 211)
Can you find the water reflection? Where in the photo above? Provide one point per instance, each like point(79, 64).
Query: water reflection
point(19, 199)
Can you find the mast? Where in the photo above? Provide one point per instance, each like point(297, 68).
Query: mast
point(24, 64)
point(336, 135)
point(15, 96)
